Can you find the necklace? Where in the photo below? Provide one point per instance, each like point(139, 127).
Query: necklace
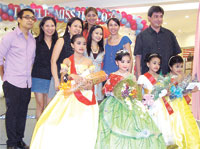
point(95, 50)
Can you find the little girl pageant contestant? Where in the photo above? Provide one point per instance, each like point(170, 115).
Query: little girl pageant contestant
point(158, 110)
point(124, 122)
point(95, 52)
point(70, 121)
point(186, 131)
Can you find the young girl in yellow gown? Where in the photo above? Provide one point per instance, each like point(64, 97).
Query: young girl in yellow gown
point(185, 128)
point(70, 121)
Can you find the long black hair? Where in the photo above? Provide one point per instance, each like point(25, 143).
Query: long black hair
point(89, 40)
point(69, 23)
point(41, 35)
point(115, 20)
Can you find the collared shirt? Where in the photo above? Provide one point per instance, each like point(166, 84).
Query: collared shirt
point(164, 43)
point(19, 54)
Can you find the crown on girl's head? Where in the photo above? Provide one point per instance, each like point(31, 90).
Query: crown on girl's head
point(122, 51)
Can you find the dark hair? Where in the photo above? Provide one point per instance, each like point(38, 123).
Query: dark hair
point(174, 60)
point(74, 37)
point(89, 40)
point(69, 23)
point(21, 12)
point(41, 35)
point(149, 56)
point(121, 53)
point(155, 9)
point(115, 20)
point(86, 12)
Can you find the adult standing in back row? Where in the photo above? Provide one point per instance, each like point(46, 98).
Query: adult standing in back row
point(155, 39)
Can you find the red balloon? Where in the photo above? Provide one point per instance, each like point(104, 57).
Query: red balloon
point(99, 9)
point(61, 8)
point(56, 7)
point(145, 27)
point(123, 14)
point(144, 22)
point(104, 10)
point(0, 11)
point(4, 16)
point(117, 11)
point(133, 22)
point(83, 8)
point(77, 8)
point(39, 7)
point(121, 24)
point(10, 6)
point(129, 17)
point(139, 17)
point(10, 18)
point(18, 7)
point(33, 5)
point(134, 27)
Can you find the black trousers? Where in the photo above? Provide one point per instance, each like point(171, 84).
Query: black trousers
point(17, 100)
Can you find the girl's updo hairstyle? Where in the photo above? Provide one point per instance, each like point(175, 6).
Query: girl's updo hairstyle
point(149, 56)
point(115, 20)
point(174, 60)
point(74, 37)
point(121, 53)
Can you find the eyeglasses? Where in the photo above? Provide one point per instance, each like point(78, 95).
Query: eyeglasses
point(29, 18)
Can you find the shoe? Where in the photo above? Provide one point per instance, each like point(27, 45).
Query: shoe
point(22, 145)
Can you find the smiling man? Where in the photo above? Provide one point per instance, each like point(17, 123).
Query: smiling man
point(18, 50)
point(155, 39)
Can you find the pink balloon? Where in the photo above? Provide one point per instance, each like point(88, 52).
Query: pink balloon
point(144, 22)
point(56, 7)
point(18, 7)
point(77, 9)
point(99, 9)
point(104, 10)
point(133, 22)
point(62, 8)
point(33, 5)
point(129, 17)
point(139, 17)
point(10, 6)
point(145, 27)
point(10, 18)
point(0, 11)
point(39, 7)
point(134, 27)
point(83, 8)
point(123, 14)
point(4, 16)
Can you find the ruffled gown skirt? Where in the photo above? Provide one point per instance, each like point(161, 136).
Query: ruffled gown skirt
point(122, 128)
point(187, 135)
point(67, 123)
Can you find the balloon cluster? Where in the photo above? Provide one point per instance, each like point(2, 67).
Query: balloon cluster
point(62, 14)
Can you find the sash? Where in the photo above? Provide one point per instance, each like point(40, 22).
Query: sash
point(78, 94)
point(153, 81)
point(187, 99)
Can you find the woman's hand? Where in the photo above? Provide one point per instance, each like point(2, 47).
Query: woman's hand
point(57, 84)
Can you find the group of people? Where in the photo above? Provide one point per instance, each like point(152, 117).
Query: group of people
point(92, 115)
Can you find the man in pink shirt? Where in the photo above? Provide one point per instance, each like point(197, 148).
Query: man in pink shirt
point(17, 53)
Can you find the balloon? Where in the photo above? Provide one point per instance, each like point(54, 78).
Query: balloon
point(138, 20)
point(114, 12)
point(137, 32)
point(83, 9)
point(67, 8)
point(104, 10)
point(123, 20)
point(56, 7)
point(10, 12)
point(134, 27)
point(10, 18)
point(144, 22)
point(139, 26)
point(27, 6)
point(39, 7)
point(129, 17)
point(0, 5)
point(1, 11)
point(133, 22)
point(5, 8)
point(33, 5)
point(10, 6)
point(0, 19)
point(123, 14)
point(18, 8)
point(98, 9)
point(118, 16)
point(145, 27)
point(77, 8)
point(4, 16)
point(128, 25)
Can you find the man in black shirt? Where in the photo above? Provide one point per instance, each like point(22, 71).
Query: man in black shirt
point(155, 39)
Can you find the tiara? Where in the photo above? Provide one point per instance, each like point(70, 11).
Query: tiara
point(154, 54)
point(170, 59)
point(122, 51)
